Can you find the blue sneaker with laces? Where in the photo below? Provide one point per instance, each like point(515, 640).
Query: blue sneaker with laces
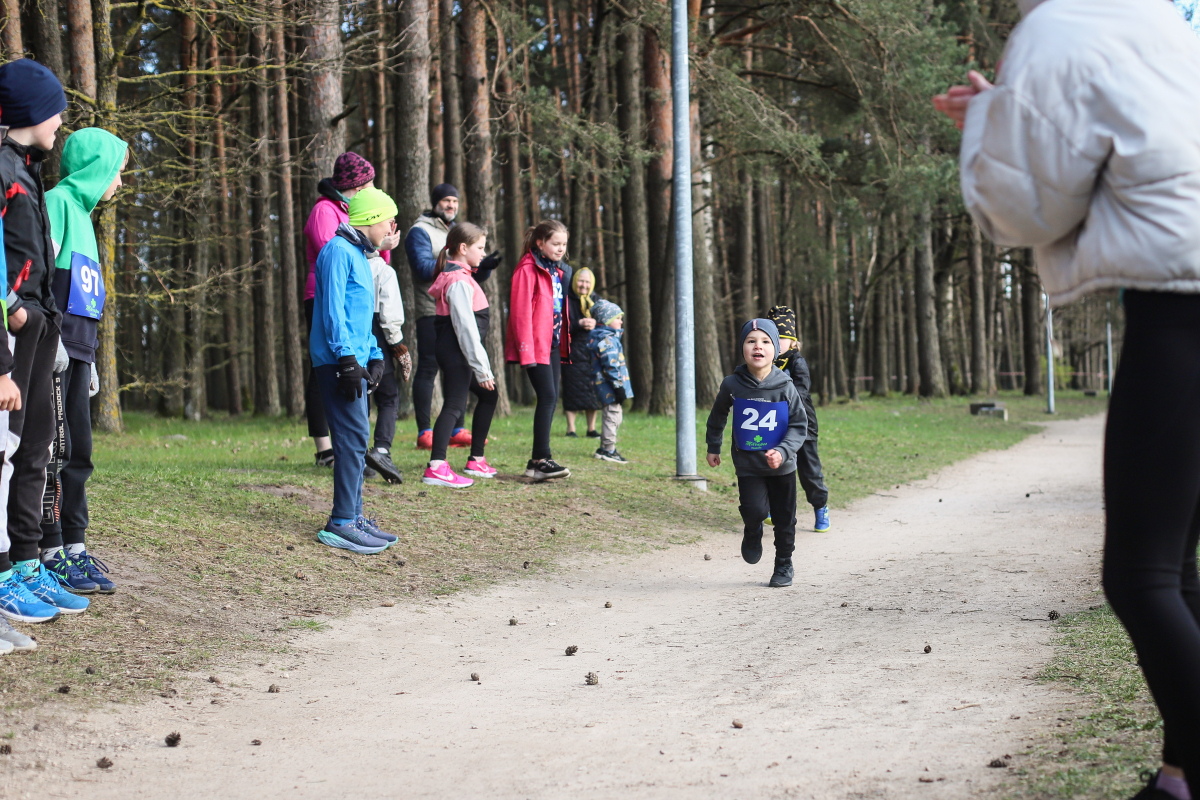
point(19, 605)
point(69, 575)
point(352, 537)
point(94, 568)
point(822, 523)
point(369, 525)
point(42, 584)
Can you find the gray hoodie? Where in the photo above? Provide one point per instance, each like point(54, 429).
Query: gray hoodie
point(767, 415)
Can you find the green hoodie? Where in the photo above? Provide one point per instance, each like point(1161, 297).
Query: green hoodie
point(91, 159)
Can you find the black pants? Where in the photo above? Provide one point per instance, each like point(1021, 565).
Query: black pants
point(426, 373)
point(314, 407)
point(812, 479)
point(33, 428)
point(544, 378)
point(771, 496)
point(457, 380)
point(1152, 499)
point(387, 401)
point(70, 525)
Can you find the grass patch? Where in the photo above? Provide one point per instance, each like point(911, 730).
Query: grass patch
point(211, 528)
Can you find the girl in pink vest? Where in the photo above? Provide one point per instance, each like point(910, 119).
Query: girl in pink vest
point(461, 322)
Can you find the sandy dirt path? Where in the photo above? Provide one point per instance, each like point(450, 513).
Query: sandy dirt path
point(829, 678)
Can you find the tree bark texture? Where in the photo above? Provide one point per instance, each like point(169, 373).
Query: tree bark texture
point(659, 129)
point(452, 114)
point(322, 125)
point(929, 356)
point(266, 394)
point(1031, 323)
point(979, 368)
point(293, 328)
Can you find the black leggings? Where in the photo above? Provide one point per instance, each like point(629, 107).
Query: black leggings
point(426, 373)
point(1152, 499)
point(314, 408)
point(457, 380)
point(544, 378)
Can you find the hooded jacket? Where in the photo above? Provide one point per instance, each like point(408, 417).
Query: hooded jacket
point(327, 214)
point(91, 159)
point(462, 308)
point(344, 301)
point(767, 415)
point(389, 304)
point(28, 250)
point(609, 369)
point(531, 315)
point(1088, 150)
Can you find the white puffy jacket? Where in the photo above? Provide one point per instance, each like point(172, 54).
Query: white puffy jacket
point(389, 305)
point(1088, 149)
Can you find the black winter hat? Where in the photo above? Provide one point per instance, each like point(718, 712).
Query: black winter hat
point(785, 320)
point(29, 94)
point(442, 191)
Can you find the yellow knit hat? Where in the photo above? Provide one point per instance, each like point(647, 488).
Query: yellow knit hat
point(370, 206)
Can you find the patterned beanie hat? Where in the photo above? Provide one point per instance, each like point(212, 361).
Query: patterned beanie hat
point(351, 171)
point(785, 320)
point(605, 311)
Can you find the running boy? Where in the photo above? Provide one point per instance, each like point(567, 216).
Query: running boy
point(340, 343)
point(612, 376)
point(92, 161)
point(808, 463)
point(768, 430)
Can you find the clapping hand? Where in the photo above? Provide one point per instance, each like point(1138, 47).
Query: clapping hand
point(956, 99)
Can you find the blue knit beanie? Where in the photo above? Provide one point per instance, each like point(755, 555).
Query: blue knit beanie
point(605, 311)
point(29, 94)
point(764, 325)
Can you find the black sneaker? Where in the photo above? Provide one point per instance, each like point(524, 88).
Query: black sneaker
point(752, 546)
point(324, 458)
point(369, 473)
point(548, 468)
point(572, 435)
point(610, 455)
point(1151, 791)
point(380, 460)
point(593, 434)
point(783, 573)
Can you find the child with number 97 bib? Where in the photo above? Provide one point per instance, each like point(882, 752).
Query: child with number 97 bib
point(768, 430)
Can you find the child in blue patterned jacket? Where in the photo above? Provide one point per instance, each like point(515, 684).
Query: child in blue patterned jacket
point(611, 374)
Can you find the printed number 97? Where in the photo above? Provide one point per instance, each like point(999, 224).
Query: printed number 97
point(754, 423)
point(90, 279)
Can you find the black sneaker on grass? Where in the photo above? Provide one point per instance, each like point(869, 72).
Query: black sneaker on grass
point(545, 469)
point(610, 455)
point(572, 435)
point(324, 458)
point(593, 434)
point(380, 460)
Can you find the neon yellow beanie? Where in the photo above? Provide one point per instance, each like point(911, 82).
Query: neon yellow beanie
point(370, 206)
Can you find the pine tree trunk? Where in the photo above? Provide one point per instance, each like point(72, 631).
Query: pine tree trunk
point(514, 200)
point(745, 252)
point(323, 60)
point(452, 115)
point(912, 371)
point(481, 193)
point(196, 402)
point(108, 417)
point(638, 342)
point(10, 39)
point(266, 394)
point(435, 138)
point(929, 354)
point(289, 269)
point(659, 129)
point(1031, 324)
point(233, 380)
point(708, 352)
point(979, 359)
point(880, 328)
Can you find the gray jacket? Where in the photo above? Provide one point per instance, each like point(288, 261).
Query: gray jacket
point(758, 425)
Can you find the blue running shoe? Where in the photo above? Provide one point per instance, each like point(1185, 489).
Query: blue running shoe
point(352, 537)
point(44, 586)
point(822, 523)
point(18, 604)
point(369, 525)
point(68, 573)
point(94, 568)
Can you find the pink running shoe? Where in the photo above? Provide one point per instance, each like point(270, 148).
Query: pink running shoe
point(444, 476)
point(480, 468)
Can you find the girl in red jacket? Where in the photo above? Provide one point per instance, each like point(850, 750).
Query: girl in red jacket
point(537, 337)
point(462, 323)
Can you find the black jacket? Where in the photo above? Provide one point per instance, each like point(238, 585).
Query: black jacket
point(27, 247)
point(796, 367)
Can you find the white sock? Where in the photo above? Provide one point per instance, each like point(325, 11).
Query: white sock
point(75, 549)
point(51, 554)
point(435, 464)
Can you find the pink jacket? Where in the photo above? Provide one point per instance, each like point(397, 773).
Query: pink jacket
point(531, 317)
point(322, 223)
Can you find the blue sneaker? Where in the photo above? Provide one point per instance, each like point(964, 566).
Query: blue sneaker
point(822, 523)
point(18, 604)
point(69, 575)
point(369, 525)
point(42, 584)
point(94, 568)
point(352, 537)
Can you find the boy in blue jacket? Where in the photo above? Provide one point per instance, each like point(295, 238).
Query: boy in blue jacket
point(341, 342)
point(768, 430)
point(612, 376)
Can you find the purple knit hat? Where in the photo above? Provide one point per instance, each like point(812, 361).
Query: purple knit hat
point(351, 171)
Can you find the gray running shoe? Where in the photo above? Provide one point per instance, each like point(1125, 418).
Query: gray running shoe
point(12, 639)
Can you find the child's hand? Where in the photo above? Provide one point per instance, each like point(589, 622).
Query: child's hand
point(10, 394)
point(714, 459)
point(774, 459)
point(16, 320)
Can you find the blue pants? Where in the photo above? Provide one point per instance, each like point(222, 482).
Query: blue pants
point(350, 427)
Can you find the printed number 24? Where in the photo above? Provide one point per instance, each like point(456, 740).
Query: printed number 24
point(90, 279)
point(754, 423)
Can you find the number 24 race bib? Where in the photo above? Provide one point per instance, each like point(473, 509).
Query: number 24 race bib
point(759, 425)
point(87, 289)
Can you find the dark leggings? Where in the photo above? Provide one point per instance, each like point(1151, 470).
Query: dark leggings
point(314, 407)
point(457, 380)
point(426, 373)
point(773, 496)
point(544, 378)
point(1152, 499)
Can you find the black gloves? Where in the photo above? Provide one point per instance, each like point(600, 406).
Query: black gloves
point(492, 261)
point(374, 374)
point(350, 377)
point(619, 392)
